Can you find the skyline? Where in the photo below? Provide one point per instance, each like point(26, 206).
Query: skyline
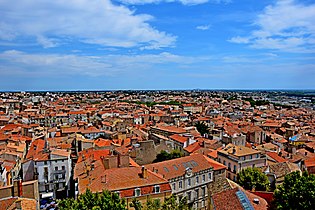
point(157, 44)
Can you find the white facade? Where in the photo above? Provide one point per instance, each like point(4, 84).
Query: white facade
point(53, 175)
point(194, 186)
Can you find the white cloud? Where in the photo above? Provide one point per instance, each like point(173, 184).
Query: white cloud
point(26, 64)
point(287, 26)
point(90, 21)
point(184, 2)
point(203, 27)
point(239, 40)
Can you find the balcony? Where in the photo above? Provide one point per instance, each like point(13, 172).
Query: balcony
point(58, 180)
point(59, 171)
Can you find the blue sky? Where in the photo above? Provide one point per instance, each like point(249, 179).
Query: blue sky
point(157, 44)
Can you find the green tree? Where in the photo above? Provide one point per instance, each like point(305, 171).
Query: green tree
point(96, 201)
point(296, 192)
point(253, 178)
point(202, 128)
point(153, 204)
point(163, 155)
point(172, 203)
point(136, 204)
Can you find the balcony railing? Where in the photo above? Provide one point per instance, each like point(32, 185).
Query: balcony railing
point(59, 171)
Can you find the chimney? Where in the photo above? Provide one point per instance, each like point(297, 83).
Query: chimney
point(123, 161)
point(144, 172)
point(110, 162)
point(17, 187)
point(103, 179)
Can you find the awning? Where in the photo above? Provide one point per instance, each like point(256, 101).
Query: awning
point(47, 195)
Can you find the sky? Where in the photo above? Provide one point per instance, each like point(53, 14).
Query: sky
point(156, 44)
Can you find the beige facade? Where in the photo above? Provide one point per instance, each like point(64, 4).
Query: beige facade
point(236, 158)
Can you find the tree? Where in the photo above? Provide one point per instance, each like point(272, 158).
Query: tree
point(163, 155)
point(136, 204)
point(95, 201)
point(152, 204)
point(296, 192)
point(253, 178)
point(202, 128)
point(172, 203)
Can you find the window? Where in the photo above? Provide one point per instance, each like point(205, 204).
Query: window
point(197, 193)
point(137, 192)
point(189, 195)
point(234, 169)
point(202, 203)
point(229, 166)
point(174, 186)
point(250, 157)
point(210, 176)
point(56, 168)
point(219, 160)
point(156, 189)
point(203, 178)
point(197, 179)
point(189, 182)
point(180, 185)
point(257, 155)
point(46, 188)
point(223, 162)
point(63, 168)
point(203, 191)
point(45, 162)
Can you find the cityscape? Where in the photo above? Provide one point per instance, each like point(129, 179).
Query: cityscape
point(157, 105)
point(154, 144)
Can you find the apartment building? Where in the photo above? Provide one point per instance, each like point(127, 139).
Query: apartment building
point(237, 158)
point(51, 167)
point(189, 176)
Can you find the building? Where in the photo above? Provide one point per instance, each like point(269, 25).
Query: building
point(51, 167)
point(20, 195)
point(189, 176)
point(112, 172)
point(276, 172)
point(237, 158)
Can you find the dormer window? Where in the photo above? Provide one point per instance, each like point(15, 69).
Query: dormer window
point(156, 189)
point(137, 192)
point(118, 193)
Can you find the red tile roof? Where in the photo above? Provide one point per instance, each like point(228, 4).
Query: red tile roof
point(179, 138)
point(177, 167)
point(275, 157)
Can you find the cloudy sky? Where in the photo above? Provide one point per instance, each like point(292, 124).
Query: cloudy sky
point(157, 44)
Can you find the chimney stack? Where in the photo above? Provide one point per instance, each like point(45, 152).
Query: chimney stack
point(103, 179)
point(17, 188)
point(144, 172)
